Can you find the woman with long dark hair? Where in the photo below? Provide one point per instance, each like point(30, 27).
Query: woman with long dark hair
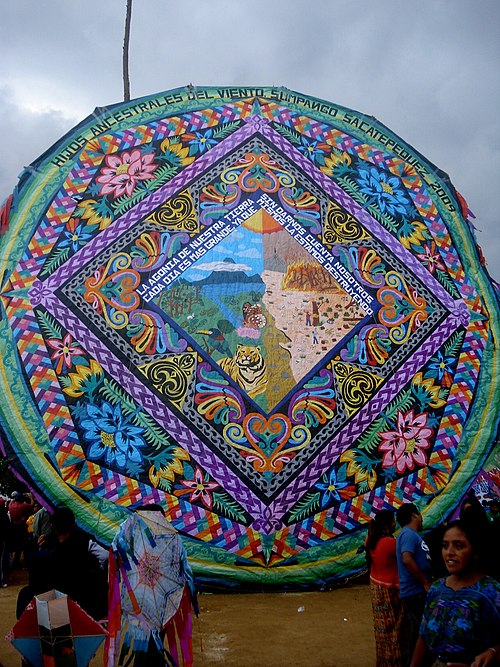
point(384, 588)
point(461, 623)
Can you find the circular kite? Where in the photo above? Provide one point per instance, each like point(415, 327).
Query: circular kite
point(262, 310)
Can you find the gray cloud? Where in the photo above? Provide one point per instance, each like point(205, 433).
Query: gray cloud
point(427, 70)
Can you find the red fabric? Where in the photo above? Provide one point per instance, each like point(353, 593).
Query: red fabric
point(464, 208)
point(111, 644)
point(82, 625)
point(384, 566)
point(4, 215)
point(19, 512)
point(179, 631)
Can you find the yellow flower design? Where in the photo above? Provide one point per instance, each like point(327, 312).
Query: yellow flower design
point(334, 161)
point(415, 236)
point(91, 214)
point(82, 380)
point(433, 391)
point(179, 154)
point(169, 469)
point(360, 473)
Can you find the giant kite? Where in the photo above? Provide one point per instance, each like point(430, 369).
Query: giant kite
point(264, 311)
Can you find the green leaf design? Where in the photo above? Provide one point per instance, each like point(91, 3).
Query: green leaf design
point(370, 439)
point(224, 131)
point(443, 393)
point(65, 381)
point(163, 174)
point(453, 346)
point(153, 433)
point(229, 507)
point(307, 506)
point(57, 258)
point(49, 327)
point(363, 487)
point(351, 187)
point(113, 393)
point(384, 218)
point(125, 203)
point(445, 280)
point(292, 136)
point(401, 403)
point(165, 485)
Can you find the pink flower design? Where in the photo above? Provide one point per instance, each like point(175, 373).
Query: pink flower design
point(404, 447)
point(123, 171)
point(431, 258)
point(65, 349)
point(199, 488)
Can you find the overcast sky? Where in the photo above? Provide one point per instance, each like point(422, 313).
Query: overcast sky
point(429, 70)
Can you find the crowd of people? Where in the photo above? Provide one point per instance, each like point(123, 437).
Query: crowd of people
point(436, 601)
point(141, 589)
point(16, 531)
point(435, 596)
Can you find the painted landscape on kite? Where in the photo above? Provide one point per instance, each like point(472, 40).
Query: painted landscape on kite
point(263, 311)
point(263, 307)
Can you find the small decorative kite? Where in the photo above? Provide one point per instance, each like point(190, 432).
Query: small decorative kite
point(263, 311)
point(151, 586)
point(54, 630)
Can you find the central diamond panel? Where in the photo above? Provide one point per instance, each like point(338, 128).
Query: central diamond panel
point(262, 308)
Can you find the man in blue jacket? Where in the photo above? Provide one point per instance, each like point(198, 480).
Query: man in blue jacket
point(414, 569)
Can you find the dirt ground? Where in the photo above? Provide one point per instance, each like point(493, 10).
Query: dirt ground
point(316, 629)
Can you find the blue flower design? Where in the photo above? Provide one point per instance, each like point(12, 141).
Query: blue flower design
point(111, 435)
point(330, 486)
point(463, 623)
point(203, 141)
point(75, 237)
point(440, 366)
point(312, 150)
point(432, 625)
point(384, 189)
